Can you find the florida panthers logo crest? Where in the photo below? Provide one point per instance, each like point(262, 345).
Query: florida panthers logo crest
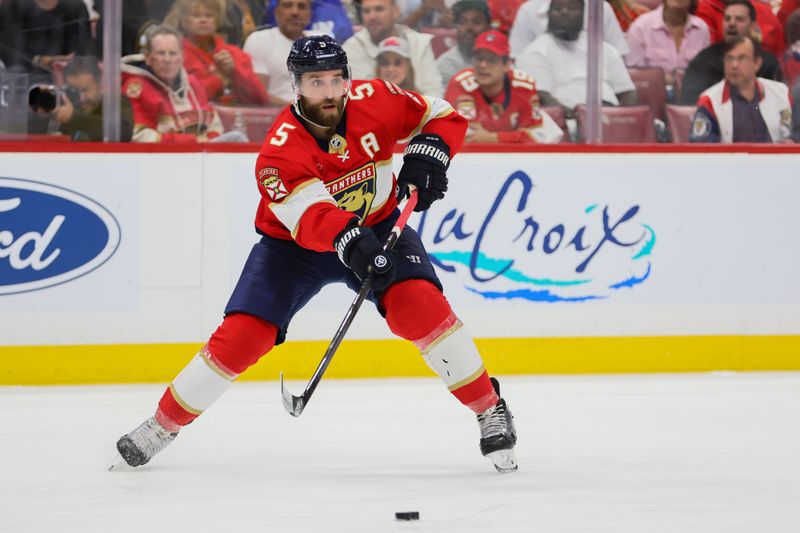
point(354, 192)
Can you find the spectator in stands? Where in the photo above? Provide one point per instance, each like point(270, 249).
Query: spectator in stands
point(766, 26)
point(796, 112)
point(430, 13)
point(787, 8)
point(626, 12)
point(502, 14)
point(743, 107)
point(394, 63)
point(380, 21)
point(41, 32)
point(168, 104)
point(472, 18)
point(224, 70)
point(500, 103)
point(557, 60)
point(327, 16)
point(531, 22)
point(791, 56)
point(82, 119)
point(137, 16)
point(668, 37)
point(706, 68)
point(249, 12)
point(270, 48)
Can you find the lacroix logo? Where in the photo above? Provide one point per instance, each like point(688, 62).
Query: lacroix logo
point(50, 235)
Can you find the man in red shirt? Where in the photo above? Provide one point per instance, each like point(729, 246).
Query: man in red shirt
point(168, 104)
point(328, 199)
point(499, 102)
point(767, 28)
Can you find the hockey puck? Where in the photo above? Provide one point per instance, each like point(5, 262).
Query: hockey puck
point(411, 515)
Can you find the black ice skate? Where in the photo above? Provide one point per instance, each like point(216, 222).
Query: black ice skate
point(141, 444)
point(498, 435)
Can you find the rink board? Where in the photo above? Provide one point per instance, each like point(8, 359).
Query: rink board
point(120, 263)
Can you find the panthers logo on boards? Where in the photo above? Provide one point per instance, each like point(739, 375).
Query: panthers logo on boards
point(355, 191)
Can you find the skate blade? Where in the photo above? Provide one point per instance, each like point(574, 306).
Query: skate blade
point(504, 461)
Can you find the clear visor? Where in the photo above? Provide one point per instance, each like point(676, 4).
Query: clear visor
point(323, 84)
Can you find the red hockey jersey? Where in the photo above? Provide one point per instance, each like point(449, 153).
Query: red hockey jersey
point(166, 114)
point(245, 87)
point(515, 113)
point(310, 192)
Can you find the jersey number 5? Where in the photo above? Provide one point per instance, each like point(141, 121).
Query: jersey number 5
point(281, 134)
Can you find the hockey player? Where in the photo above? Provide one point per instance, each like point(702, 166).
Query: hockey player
point(328, 199)
point(500, 102)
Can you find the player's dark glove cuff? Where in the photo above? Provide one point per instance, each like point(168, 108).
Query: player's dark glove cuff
point(425, 163)
point(360, 250)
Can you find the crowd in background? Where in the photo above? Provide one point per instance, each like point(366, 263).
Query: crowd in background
point(215, 70)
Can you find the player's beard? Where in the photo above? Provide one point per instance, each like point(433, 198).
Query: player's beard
point(327, 118)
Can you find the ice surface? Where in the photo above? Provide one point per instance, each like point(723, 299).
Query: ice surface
point(658, 453)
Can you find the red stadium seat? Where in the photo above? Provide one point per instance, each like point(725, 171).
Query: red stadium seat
point(651, 88)
point(443, 39)
point(625, 124)
point(677, 81)
point(679, 120)
point(256, 120)
point(556, 112)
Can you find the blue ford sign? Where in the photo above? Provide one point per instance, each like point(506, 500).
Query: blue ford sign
point(50, 235)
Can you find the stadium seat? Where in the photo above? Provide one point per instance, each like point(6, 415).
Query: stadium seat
point(443, 39)
point(677, 81)
point(624, 124)
point(679, 120)
point(256, 120)
point(650, 88)
point(556, 112)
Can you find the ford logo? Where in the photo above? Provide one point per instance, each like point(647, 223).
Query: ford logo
point(50, 235)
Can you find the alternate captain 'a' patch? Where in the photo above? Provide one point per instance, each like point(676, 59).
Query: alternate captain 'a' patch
point(355, 191)
point(272, 183)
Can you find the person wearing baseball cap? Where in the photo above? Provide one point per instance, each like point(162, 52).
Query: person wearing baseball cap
point(472, 18)
point(394, 63)
point(500, 103)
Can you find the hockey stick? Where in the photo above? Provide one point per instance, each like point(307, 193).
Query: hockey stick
point(294, 405)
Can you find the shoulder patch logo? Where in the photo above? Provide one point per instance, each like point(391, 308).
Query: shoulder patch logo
point(465, 106)
point(134, 89)
point(786, 118)
point(701, 126)
point(274, 187)
point(267, 171)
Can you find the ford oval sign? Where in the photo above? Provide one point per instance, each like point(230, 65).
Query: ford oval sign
point(50, 235)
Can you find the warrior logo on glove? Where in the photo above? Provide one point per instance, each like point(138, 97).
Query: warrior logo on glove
point(359, 249)
point(425, 164)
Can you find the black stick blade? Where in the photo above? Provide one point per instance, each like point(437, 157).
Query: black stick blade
point(294, 405)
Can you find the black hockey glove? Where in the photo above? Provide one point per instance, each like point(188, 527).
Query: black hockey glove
point(425, 163)
point(359, 249)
